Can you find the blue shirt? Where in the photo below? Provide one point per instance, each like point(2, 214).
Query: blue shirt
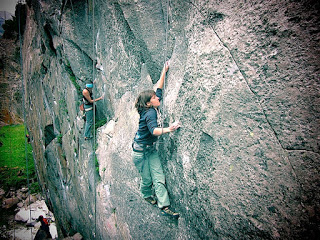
point(147, 123)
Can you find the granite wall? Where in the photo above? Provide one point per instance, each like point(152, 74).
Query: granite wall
point(244, 83)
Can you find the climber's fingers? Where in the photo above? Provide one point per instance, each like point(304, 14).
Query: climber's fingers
point(176, 125)
point(166, 66)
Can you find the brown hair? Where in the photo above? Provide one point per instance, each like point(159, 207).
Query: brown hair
point(142, 99)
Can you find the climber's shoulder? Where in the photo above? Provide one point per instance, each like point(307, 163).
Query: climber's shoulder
point(85, 91)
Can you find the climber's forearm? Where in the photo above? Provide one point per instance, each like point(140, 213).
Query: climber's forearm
point(161, 80)
point(98, 99)
point(159, 131)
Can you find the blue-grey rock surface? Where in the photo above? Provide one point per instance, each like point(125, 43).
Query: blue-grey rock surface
point(244, 83)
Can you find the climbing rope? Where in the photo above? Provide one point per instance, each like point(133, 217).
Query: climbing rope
point(11, 172)
point(10, 147)
point(24, 106)
point(85, 63)
point(94, 124)
point(90, 8)
point(77, 33)
point(164, 60)
point(167, 26)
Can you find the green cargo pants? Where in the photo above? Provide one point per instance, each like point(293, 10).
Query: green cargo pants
point(150, 168)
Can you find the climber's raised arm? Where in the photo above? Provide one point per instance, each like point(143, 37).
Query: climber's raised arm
point(160, 82)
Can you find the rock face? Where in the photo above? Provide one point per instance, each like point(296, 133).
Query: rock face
point(244, 83)
point(10, 83)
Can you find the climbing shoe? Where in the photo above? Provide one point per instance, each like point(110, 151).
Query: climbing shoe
point(166, 211)
point(151, 200)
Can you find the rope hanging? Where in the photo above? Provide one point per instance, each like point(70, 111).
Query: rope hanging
point(164, 60)
point(24, 106)
point(77, 33)
point(94, 121)
point(94, 106)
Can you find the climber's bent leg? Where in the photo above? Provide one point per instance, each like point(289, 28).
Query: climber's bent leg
point(142, 164)
point(158, 179)
point(89, 122)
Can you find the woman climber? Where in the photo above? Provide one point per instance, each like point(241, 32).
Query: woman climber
point(88, 108)
point(145, 155)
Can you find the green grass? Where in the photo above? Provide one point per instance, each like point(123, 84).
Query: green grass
point(76, 85)
point(13, 164)
point(100, 123)
point(59, 138)
point(73, 78)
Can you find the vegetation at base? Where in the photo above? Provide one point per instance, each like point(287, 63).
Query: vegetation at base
point(63, 105)
point(97, 169)
point(76, 85)
point(13, 164)
point(100, 123)
point(59, 138)
point(73, 78)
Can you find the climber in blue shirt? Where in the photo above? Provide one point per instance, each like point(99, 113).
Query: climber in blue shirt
point(145, 155)
point(148, 119)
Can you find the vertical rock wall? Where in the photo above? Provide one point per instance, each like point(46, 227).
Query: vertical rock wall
point(10, 83)
point(244, 83)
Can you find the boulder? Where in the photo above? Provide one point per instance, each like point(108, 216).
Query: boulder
point(38, 208)
point(77, 236)
point(10, 202)
point(24, 190)
point(29, 200)
point(23, 215)
point(19, 195)
point(20, 233)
